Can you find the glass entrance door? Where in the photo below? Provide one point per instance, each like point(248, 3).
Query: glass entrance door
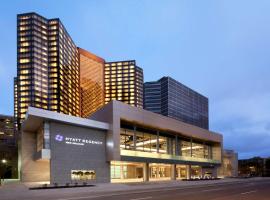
point(160, 172)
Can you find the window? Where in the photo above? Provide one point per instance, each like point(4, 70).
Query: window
point(83, 175)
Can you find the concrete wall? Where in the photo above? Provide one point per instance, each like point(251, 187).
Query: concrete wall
point(67, 157)
point(32, 171)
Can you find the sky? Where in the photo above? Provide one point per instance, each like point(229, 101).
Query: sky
point(220, 48)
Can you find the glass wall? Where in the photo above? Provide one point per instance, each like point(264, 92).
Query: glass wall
point(126, 171)
point(181, 171)
point(127, 139)
point(197, 150)
point(185, 148)
point(153, 141)
point(160, 171)
point(163, 144)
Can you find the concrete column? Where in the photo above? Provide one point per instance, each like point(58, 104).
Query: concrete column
point(214, 172)
point(173, 172)
point(201, 172)
point(146, 172)
point(188, 171)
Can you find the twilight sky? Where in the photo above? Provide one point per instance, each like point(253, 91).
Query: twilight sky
point(220, 48)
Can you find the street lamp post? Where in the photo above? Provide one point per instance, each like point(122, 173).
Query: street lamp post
point(3, 162)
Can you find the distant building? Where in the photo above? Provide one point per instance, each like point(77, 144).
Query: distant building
point(256, 166)
point(47, 67)
point(173, 99)
point(91, 82)
point(8, 148)
point(124, 82)
point(229, 166)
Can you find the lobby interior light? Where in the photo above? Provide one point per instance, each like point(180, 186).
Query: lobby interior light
point(148, 142)
point(193, 147)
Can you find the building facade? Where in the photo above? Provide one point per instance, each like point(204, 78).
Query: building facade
point(124, 82)
point(47, 67)
point(256, 166)
point(119, 143)
point(229, 167)
point(91, 82)
point(8, 148)
point(173, 99)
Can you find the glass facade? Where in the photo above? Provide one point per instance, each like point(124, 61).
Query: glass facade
point(47, 67)
point(91, 81)
point(160, 171)
point(126, 171)
point(124, 82)
point(173, 99)
point(137, 138)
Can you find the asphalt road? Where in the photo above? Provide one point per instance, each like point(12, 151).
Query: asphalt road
point(249, 189)
point(253, 190)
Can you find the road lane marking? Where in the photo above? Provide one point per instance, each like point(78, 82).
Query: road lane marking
point(249, 192)
point(142, 198)
point(212, 190)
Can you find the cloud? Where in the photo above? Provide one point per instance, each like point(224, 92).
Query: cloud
point(244, 122)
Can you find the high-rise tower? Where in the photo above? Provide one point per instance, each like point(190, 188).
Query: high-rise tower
point(91, 81)
point(124, 82)
point(173, 99)
point(47, 66)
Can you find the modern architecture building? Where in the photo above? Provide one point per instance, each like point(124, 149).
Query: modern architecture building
point(173, 99)
point(91, 82)
point(47, 67)
point(229, 167)
point(119, 143)
point(124, 82)
point(8, 148)
point(53, 74)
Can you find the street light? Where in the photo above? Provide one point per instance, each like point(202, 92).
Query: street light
point(4, 161)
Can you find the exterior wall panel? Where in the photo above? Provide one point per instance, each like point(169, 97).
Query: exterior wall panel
point(67, 157)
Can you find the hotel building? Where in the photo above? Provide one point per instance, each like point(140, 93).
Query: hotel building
point(118, 143)
point(91, 82)
point(53, 74)
point(47, 67)
point(173, 99)
point(124, 82)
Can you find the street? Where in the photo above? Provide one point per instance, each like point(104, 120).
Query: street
point(235, 189)
point(249, 190)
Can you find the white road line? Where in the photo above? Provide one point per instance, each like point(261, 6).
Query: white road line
point(211, 190)
point(142, 198)
point(249, 192)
